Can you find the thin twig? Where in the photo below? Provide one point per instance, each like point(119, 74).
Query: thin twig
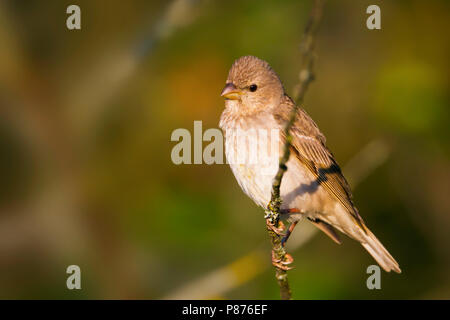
point(305, 78)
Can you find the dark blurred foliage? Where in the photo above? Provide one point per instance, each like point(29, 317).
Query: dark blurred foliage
point(86, 119)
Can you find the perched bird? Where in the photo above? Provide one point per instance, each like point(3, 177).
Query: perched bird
point(313, 186)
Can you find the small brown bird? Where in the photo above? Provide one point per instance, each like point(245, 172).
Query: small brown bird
point(313, 187)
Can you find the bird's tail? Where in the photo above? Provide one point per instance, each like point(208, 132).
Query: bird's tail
point(379, 252)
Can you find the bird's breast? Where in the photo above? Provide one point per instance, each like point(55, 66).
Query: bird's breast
point(253, 149)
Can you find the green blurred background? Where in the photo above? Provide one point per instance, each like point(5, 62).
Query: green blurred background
point(87, 178)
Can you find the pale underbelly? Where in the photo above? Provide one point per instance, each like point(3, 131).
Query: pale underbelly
point(299, 188)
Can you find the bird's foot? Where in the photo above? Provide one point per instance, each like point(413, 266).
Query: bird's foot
point(278, 230)
point(282, 264)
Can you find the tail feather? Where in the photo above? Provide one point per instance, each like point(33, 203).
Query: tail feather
point(379, 252)
point(327, 229)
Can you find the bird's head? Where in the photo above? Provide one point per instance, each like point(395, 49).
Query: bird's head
point(252, 86)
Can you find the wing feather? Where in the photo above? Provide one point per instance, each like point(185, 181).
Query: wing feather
point(308, 145)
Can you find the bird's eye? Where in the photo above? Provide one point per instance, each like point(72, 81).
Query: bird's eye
point(253, 87)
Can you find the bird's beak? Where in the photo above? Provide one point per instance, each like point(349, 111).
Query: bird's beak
point(231, 92)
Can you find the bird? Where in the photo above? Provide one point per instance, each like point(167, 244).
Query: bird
point(313, 187)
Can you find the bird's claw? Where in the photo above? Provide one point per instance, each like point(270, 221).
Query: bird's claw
point(282, 264)
point(279, 230)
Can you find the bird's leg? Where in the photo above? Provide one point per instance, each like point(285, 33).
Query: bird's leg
point(283, 265)
point(292, 210)
point(281, 226)
point(288, 233)
point(291, 226)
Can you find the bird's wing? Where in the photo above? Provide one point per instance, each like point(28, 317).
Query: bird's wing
point(308, 145)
